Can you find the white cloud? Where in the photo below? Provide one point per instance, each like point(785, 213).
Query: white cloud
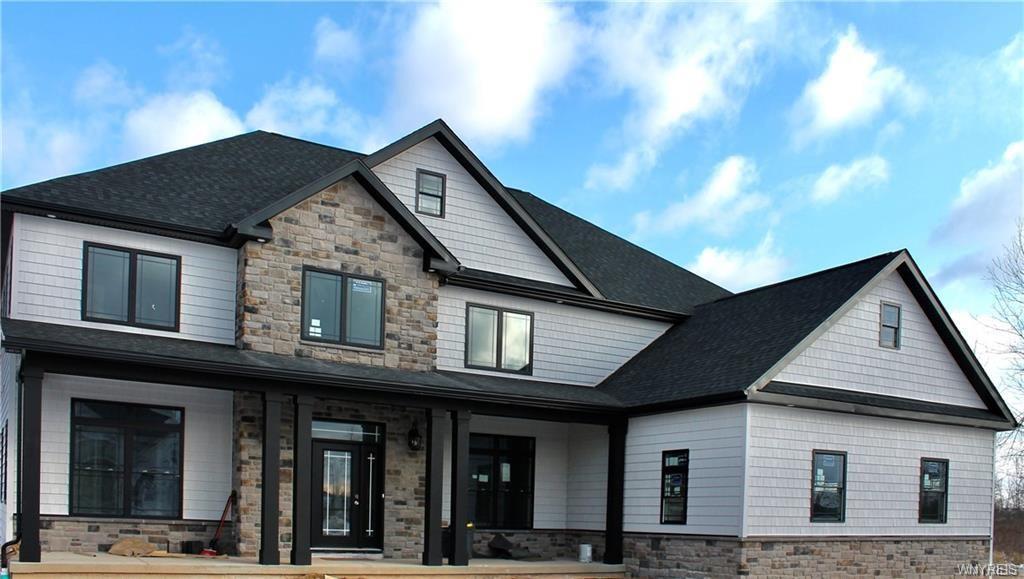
point(984, 215)
point(197, 62)
point(857, 175)
point(726, 198)
point(175, 120)
point(333, 43)
point(1010, 59)
point(303, 109)
point(483, 67)
point(679, 64)
point(103, 84)
point(738, 269)
point(854, 88)
point(34, 149)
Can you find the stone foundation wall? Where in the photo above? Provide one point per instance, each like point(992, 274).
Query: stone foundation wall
point(547, 544)
point(404, 472)
point(676, 556)
point(918, 557)
point(91, 535)
point(649, 555)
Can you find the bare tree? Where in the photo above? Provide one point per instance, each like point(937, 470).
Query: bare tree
point(1007, 276)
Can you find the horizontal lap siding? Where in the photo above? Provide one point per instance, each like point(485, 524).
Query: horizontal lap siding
point(475, 228)
point(208, 416)
point(848, 355)
point(10, 364)
point(571, 345)
point(587, 492)
point(47, 277)
point(883, 471)
point(715, 439)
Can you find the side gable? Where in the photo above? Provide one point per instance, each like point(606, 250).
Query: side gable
point(474, 226)
point(469, 236)
point(848, 355)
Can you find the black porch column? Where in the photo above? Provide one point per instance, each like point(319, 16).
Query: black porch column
point(616, 485)
point(31, 449)
point(435, 483)
point(460, 487)
point(270, 509)
point(302, 469)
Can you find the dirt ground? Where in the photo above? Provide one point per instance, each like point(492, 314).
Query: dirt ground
point(1008, 540)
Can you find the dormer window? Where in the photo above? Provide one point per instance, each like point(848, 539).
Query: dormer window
point(430, 193)
point(892, 319)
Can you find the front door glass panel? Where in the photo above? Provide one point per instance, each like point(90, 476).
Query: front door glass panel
point(337, 493)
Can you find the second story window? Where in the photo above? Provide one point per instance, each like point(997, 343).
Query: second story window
point(498, 339)
point(127, 286)
point(430, 193)
point(342, 309)
point(892, 319)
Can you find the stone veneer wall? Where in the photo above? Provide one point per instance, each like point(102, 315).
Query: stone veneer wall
point(548, 544)
point(91, 535)
point(404, 472)
point(675, 556)
point(341, 229)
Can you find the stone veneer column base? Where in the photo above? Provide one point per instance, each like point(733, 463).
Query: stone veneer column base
point(547, 544)
point(92, 535)
point(678, 556)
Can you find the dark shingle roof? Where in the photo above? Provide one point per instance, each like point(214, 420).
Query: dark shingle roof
point(624, 272)
point(729, 343)
point(205, 188)
point(227, 359)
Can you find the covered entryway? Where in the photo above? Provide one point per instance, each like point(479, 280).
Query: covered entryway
point(347, 486)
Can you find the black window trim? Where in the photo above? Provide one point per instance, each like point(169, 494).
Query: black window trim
point(846, 463)
point(442, 198)
point(882, 325)
point(921, 491)
point(180, 428)
point(661, 491)
point(132, 286)
point(528, 369)
point(345, 276)
point(494, 453)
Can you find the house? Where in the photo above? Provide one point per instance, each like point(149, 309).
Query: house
point(366, 348)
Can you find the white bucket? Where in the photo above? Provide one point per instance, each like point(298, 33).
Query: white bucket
point(586, 553)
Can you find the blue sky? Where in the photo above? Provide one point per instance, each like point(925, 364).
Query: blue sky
point(750, 143)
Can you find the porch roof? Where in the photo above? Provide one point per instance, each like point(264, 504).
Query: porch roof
point(161, 352)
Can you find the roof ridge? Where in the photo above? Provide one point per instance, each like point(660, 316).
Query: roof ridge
point(806, 276)
point(139, 160)
point(307, 141)
point(617, 236)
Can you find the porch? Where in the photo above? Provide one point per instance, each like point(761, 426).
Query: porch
point(102, 566)
point(272, 441)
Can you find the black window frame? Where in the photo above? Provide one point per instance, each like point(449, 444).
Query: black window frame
point(842, 494)
point(898, 328)
point(525, 371)
point(343, 341)
point(921, 493)
point(133, 255)
point(442, 198)
point(668, 470)
point(495, 455)
point(127, 485)
point(5, 441)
